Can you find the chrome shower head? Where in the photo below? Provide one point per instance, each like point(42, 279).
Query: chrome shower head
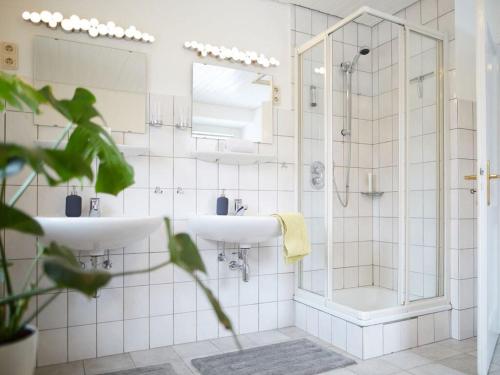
point(363, 51)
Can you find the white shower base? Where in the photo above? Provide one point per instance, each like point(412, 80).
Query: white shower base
point(369, 321)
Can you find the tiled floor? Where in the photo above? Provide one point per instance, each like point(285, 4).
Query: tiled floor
point(448, 357)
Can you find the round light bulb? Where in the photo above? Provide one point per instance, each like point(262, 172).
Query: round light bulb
point(187, 44)
point(84, 24)
point(52, 24)
point(58, 17)
point(129, 33)
point(94, 22)
point(67, 25)
point(137, 35)
point(204, 52)
point(215, 51)
point(93, 32)
point(74, 18)
point(45, 16)
point(151, 39)
point(102, 29)
point(26, 15)
point(248, 60)
point(119, 32)
point(35, 17)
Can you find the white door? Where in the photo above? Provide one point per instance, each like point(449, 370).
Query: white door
point(487, 86)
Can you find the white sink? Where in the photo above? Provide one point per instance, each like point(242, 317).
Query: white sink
point(96, 234)
point(244, 230)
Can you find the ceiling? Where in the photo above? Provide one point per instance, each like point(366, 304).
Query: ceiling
point(343, 8)
point(213, 84)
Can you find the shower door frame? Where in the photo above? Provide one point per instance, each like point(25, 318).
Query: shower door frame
point(403, 102)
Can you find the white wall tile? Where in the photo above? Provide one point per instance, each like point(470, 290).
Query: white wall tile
point(109, 338)
point(184, 327)
point(136, 302)
point(286, 313)
point(161, 331)
point(249, 318)
point(136, 334)
point(81, 309)
point(161, 299)
point(268, 316)
point(52, 346)
point(373, 338)
point(354, 340)
point(425, 329)
point(82, 342)
point(184, 297)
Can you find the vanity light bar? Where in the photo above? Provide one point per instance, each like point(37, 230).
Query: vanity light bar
point(234, 54)
point(91, 26)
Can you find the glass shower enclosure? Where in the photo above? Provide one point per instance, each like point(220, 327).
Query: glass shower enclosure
point(370, 98)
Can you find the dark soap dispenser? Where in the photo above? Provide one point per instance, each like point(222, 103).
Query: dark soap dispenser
point(73, 204)
point(222, 204)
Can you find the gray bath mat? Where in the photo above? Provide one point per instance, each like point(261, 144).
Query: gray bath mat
point(165, 369)
point(298, 357)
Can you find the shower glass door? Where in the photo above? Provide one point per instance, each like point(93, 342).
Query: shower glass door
point(312, 184)
point(424, 156)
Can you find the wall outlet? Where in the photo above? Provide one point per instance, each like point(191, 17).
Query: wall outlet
point(9, 56)
point(276, 95)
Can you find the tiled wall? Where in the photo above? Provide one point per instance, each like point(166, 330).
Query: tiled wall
point(163, 307)
point(373, 340)
point(385, 43)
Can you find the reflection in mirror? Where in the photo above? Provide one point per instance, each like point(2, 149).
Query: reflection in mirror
point(116, 77)
point(231, 103)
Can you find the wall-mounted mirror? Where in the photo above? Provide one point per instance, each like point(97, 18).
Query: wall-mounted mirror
point(231, 103)
point(116, 77)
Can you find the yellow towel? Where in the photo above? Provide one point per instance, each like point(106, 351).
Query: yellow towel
point(295, 240)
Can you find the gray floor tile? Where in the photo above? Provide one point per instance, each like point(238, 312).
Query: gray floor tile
point(155, 356)
point(71, 368)
point(435, 352)
point(406, 360)
point(102, 365)
point(462, 346)
point(374, 367)
point(196, 349)
point(267, 337)
point(227, 344)
point(435, 369)
point(293, 332)
point(462, 362)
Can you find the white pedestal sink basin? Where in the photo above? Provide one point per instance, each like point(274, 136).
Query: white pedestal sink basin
point(97, 234)
point(244, 230)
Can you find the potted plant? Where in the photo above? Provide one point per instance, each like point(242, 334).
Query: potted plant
point(88, 141)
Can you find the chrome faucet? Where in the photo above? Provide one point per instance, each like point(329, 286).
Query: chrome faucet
point(95, 207)
point(239, 207)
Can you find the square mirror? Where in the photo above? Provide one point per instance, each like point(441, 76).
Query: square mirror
point(116, 77)
point(231, 103)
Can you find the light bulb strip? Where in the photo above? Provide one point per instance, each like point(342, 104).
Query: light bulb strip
point(90, 26)
point(233, 54)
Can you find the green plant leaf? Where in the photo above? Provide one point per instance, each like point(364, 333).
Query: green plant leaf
point(16, 92)
point(183, 251)
point(63, 252)
point(66, 275)
point(12, 218)
point(56, 165)
point(221, 316)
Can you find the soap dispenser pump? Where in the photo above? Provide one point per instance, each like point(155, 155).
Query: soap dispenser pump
point(73, 204)
point(222, 204)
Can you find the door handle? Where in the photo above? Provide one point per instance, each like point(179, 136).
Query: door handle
point(489, 177)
